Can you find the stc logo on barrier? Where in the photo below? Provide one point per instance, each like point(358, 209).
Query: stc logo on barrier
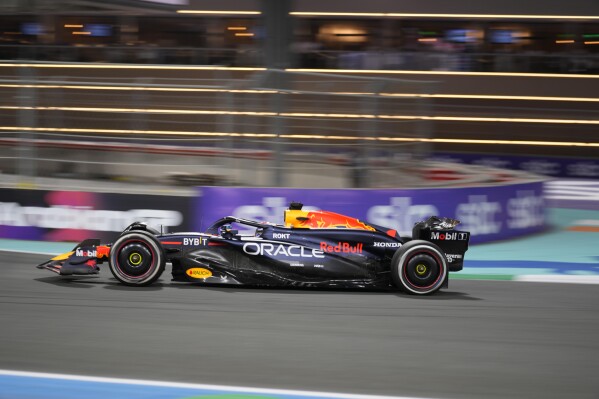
point(481, 216)
point(583, 169)
point(541, 167)
point(400, 214)
point(526, 210)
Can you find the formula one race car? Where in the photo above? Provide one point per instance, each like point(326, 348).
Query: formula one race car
point(312, 249)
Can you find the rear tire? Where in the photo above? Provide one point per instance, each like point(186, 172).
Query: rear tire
point(137, 259)
point(419, 267)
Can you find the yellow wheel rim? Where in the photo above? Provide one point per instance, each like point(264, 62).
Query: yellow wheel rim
point(135, 259)
point(421, 269)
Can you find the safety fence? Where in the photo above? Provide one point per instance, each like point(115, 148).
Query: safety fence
point(271, 128)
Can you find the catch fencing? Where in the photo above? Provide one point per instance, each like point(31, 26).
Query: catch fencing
point(267, 128)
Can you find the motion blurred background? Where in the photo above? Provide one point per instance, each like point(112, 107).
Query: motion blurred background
point(272, 92)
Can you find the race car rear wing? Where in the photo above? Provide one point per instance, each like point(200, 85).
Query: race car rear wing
point(440, 231)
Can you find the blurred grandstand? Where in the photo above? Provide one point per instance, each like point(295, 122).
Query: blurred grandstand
point(372, 35)
point(114, 89)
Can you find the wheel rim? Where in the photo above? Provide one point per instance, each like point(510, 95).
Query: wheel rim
point(135, 259)
point(422, 271)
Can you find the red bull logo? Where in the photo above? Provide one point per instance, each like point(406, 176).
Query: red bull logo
point(342, 247)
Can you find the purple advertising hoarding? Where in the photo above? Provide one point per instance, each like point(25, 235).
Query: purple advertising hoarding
point(59, 215)
point(489, 213)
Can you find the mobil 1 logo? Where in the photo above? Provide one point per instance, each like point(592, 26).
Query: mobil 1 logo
point(449, 236)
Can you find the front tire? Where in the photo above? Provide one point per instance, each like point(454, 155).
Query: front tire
point(419, 267)
point(137, 259)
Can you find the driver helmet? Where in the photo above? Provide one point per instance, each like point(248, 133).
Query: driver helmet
point(225, 228)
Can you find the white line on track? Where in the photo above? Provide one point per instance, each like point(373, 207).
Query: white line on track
point(558, 278)
point(166, 384)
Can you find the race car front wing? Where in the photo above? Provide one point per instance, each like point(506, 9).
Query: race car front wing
point(82, 260)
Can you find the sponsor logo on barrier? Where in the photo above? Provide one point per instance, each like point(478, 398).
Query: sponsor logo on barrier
point(342, 247)
point(253, 248)
point(493, 162)
point(85, 252)
point(386, 244)
point(525, 210)
point(199, 272)
point(400, 213)
point(584, 169)
point(83, 218)
point(541, 167)
point(479, 215)
point(453, 236)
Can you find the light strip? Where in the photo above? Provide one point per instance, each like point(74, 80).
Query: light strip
point(222, 12)
point(139, 88)
point(489, 119)
point(491, 97)
point(79, 26)
point(313, 115)
point(325, 71)
point(127, 132)
point(450, 16)
point(304, 136)
point(265, 91)
point(143, 111)
point(396, 15)
point(509, 142)
point(448, 73)
point(125, 66)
